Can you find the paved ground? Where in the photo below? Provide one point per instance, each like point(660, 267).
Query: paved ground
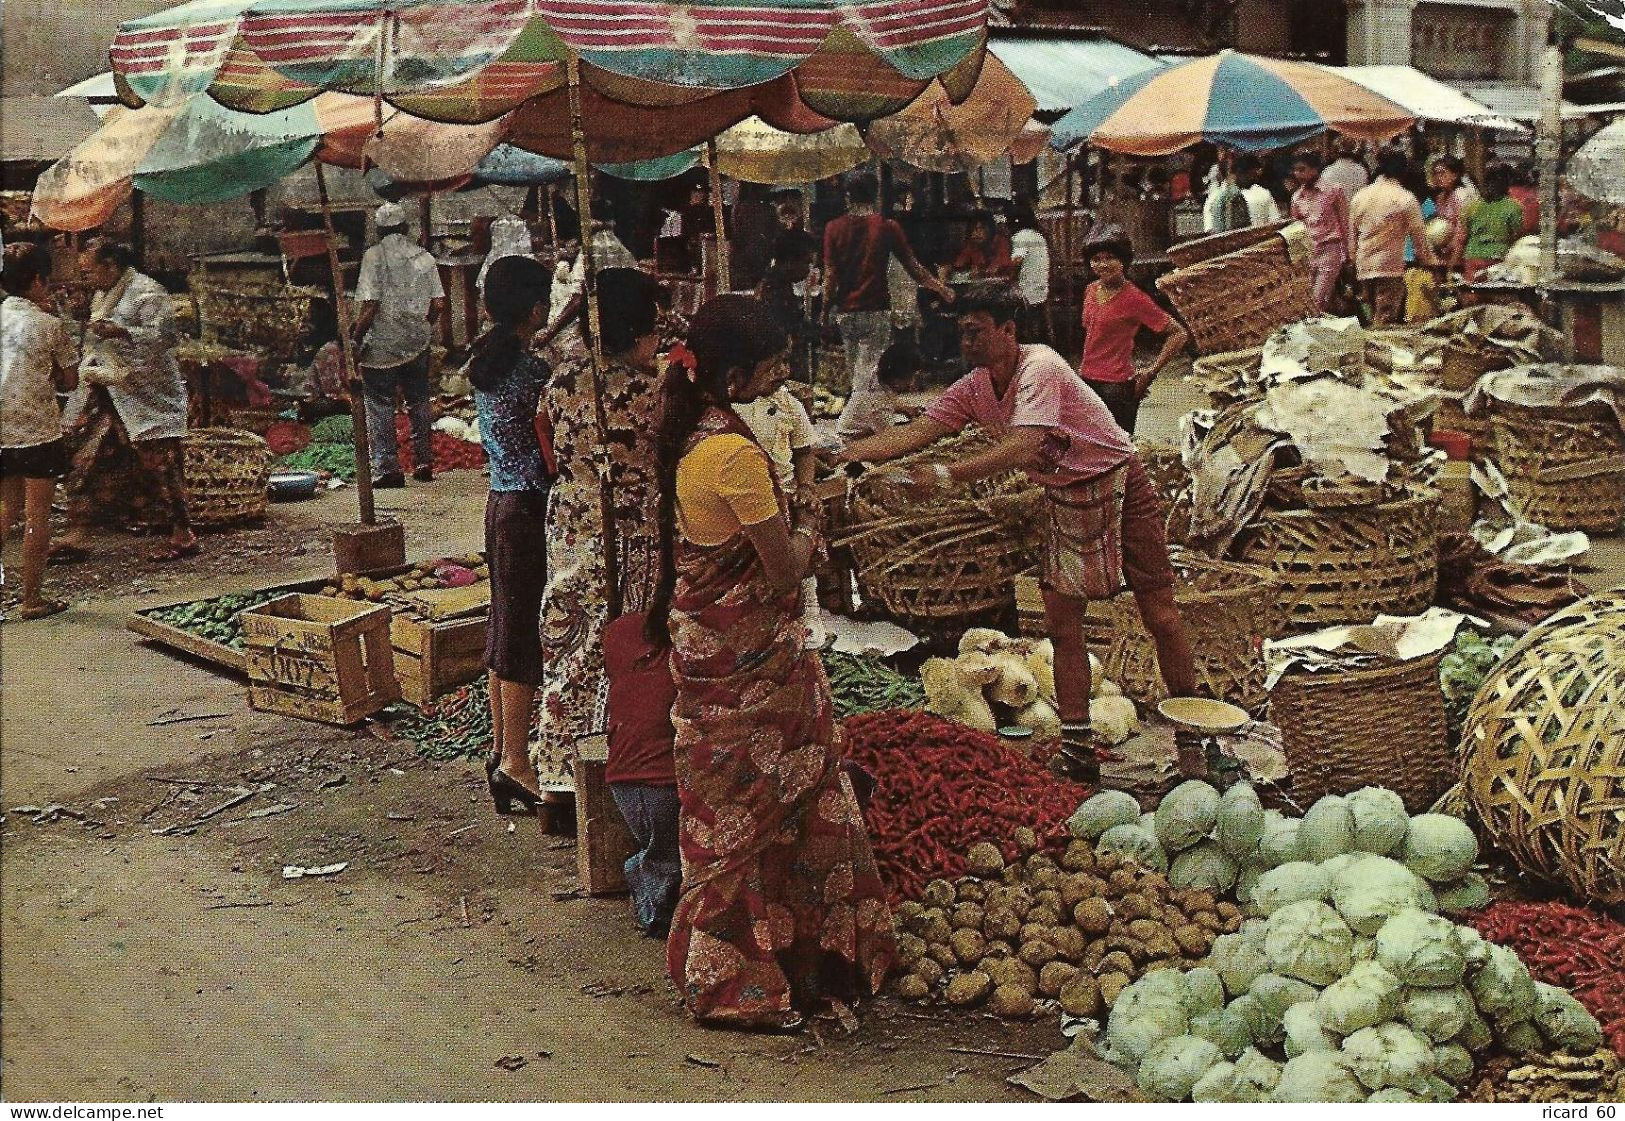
point(151, 951)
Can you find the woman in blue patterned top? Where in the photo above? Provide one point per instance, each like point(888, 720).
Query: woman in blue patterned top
point(508, 382)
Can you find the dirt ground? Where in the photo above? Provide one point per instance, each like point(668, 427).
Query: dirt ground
point(154, 950)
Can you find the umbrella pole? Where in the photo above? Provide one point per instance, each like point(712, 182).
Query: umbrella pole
point(724, 270)
point(352, 377)
point(1548, 150)
point(589, 293)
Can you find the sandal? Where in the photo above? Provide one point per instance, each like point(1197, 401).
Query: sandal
point(67, 554)
point(178, 552)
point(44, 609)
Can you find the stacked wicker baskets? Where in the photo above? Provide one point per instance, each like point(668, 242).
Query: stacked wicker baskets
point(1377, 726)
point(268, 319)
point(1229, 610)
point(1543, 749)
point(226, 475)
point(1239, 299)
point(1349, 564)
point(950, 559)
point(1564, 465)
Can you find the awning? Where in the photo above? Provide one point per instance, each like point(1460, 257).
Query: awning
point(1063, 73)
point(44, 129)
point(1521, 103)
point(1426, 97)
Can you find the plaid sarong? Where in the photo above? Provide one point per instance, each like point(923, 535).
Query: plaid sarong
point(1083, 546)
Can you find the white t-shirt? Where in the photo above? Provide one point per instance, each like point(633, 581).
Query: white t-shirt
point(32, 344)
point(781, 425)
point(404, 279)
point(1033, 277)
point(1261, 208)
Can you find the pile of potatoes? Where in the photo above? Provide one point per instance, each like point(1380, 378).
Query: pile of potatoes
point(1076, 931)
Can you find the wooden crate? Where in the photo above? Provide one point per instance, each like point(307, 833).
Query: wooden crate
point(439, 639)
point(603, 842)
point(319, 658)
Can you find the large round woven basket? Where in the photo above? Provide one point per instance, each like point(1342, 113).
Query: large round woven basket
point(1229, 610)
point(1348, 565)
point(949, 559)
point(1543, 749)
point(1382, 726)
point(226, 474)
point(1564, 466)
point(1239, 299)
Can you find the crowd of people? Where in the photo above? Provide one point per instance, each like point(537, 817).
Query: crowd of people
point(650, 526)
point(651, 543)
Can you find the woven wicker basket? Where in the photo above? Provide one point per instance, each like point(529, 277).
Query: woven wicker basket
point(945, 560)
point(1383, 726)
point(226, 475)
point(1348, 565)
point(1194, 252)
point(1564, 466)
point(1171, 480)
point(1238, 300)
point(1465, 363)
point(1543, 749)
point(1229, 609)
point(268, 319)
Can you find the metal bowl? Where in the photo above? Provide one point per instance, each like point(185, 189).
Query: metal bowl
point(292, 486)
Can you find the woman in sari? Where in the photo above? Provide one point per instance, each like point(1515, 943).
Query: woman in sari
point(782, 909)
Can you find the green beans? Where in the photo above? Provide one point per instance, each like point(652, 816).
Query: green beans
point(866, 684)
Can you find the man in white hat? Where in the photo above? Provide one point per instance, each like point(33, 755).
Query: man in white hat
point(401, 297)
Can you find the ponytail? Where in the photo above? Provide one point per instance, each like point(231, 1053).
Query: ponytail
point(514, 287)
point(728, 338)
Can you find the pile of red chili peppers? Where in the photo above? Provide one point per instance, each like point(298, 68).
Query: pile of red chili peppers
point(941, 787)
point(1570, 947)
point(450, 453)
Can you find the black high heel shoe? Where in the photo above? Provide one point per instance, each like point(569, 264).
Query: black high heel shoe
point(506, 790)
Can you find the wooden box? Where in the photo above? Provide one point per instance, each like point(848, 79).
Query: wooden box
point(603, 842)
point(319, 658)
point(439, 640)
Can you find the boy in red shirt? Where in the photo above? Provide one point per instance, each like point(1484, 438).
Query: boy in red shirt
point(642, 775)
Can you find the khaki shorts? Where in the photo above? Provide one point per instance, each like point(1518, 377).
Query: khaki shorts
point(1104, 531)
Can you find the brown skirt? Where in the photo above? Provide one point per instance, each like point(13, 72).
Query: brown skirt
point(516, 551)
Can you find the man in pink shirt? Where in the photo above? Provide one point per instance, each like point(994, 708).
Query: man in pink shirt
point(1383, 215)
point(1324, 211)
point(1103, 521)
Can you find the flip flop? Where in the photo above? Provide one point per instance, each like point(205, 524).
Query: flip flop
point(67, 554)
point(177, 552)
point(44, 610)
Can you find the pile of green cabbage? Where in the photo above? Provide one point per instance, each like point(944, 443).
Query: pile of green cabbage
point(1227, 843)
point(1348, 988)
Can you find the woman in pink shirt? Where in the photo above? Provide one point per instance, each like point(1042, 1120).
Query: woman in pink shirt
point(1114, 312)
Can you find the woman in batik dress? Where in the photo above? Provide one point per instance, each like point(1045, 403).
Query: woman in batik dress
point(576, 604)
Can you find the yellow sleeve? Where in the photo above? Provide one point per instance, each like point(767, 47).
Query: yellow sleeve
point(723, 485)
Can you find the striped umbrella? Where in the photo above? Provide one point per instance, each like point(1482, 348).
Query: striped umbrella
point(472, 60)
point(1240, 100)
point(200, 152)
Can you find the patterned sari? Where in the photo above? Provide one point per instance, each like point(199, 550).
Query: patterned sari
point(782, 907)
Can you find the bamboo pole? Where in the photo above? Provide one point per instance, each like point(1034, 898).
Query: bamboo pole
point(595, 354)
point(1548, 150)
point(352, 373)
point(724, 267)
